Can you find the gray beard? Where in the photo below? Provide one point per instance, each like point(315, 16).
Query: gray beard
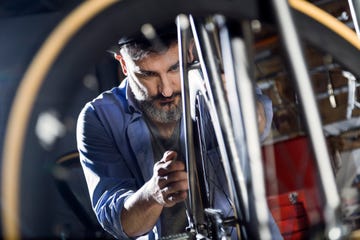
point(147, 106)
point(159, 115)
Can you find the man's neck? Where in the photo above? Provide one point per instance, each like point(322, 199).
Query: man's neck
point(165, 130)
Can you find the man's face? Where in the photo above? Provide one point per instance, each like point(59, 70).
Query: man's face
point(155, 82)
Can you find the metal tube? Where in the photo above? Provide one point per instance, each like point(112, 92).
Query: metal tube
point(183, 40)
point(354, 6)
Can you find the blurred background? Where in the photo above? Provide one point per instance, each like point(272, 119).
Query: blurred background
point(53, 197)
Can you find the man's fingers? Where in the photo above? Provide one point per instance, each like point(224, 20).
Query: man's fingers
point(174, 177)
point(174, 187)
point(174, 198)
point(169, 155)
point(165, 168)
point(171, 180)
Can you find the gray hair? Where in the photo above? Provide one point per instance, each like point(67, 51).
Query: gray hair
point(140, 48)
point(135, 51)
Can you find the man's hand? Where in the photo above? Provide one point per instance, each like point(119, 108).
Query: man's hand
point(169, 180)
point(167, 186)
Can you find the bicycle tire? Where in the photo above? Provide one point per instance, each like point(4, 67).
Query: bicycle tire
point(333, 34)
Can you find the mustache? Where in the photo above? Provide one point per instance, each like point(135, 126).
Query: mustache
point(161, 97)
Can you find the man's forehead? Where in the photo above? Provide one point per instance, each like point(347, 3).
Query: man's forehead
point(155, 67)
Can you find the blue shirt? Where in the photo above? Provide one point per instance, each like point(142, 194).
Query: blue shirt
point(116, 154)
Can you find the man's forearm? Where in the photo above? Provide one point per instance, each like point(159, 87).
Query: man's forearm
point(167, 187)
point(140, 213)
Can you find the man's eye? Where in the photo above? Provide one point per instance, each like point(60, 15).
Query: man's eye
point(175, 68)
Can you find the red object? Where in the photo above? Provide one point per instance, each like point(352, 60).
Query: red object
point(292, 163)
point(290, 214)
point(286, 212)
point(293, 225)
point(292, 187)
point(296, 235)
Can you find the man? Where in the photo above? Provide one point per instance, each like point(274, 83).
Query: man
point(129, 140)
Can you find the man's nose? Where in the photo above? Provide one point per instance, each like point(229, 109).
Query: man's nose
point(166, 87)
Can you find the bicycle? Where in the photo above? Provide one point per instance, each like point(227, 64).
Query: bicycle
point(96, 14)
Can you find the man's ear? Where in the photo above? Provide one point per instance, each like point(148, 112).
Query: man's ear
point(122, 63)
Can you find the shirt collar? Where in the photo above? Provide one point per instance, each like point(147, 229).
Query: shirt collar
point(133, 107)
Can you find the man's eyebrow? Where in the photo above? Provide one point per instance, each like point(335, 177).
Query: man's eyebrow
point(174, 66)
point(148, 72)
point(144, 72)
